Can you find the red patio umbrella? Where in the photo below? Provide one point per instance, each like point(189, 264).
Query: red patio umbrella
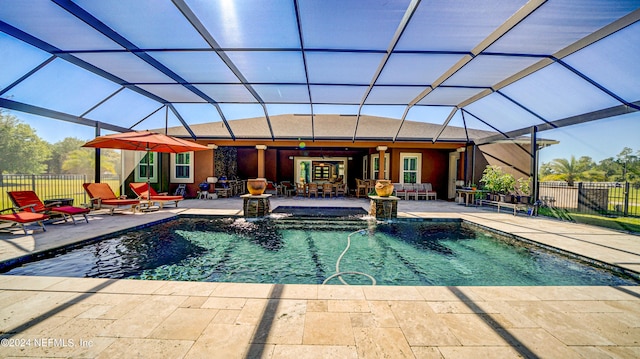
point(145, 141)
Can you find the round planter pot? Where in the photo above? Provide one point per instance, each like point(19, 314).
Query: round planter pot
point(384, 188)
point(256, 186)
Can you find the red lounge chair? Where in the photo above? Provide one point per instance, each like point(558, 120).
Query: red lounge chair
point(21, 218)
point(29, 199)
point(101, 195)
point(140, 189)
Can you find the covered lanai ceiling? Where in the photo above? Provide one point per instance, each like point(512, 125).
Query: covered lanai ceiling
point(488, 65)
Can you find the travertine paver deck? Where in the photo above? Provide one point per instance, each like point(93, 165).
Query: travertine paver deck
point(103, 318)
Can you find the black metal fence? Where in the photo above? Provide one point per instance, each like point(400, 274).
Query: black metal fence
point(51, 187)
point(600, 198)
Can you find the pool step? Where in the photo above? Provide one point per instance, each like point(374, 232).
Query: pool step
point(321, 224)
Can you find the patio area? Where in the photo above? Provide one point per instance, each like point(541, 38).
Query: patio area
point(83, 317)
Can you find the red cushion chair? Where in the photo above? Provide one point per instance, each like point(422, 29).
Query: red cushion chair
point(30, 200)
point(21, 218)
point(101, 195)
point(143, 190)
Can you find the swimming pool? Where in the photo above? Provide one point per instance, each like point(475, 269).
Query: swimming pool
point(305, 251)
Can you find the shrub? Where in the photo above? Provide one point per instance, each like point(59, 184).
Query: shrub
point(496, 181)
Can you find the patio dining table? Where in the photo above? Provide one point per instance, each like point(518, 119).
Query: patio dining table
point(467, 193)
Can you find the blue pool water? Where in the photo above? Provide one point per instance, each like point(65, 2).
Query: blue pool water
point(295, 250)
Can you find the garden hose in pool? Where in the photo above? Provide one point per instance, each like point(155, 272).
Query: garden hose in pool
point(338, 273)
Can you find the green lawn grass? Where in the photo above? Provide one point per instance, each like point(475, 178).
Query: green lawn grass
point(627, 224)
point(616, 200)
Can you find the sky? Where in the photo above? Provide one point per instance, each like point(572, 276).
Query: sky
point(53, 85)
point(597, 139)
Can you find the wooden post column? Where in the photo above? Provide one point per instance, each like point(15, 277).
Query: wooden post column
point(261, 164)
point(381, 161)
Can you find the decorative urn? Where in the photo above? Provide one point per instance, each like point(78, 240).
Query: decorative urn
point(256, 186)
point(384, 188)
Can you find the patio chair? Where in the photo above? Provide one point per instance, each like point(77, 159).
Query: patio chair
point(300, 189)
point(22, 218)
point(430, 192)
point(421, 191)
point(272, 188)
point(409, 190)
point(101, 195)
point(286, 187)
point(341, 189)
point(140, 189)
point(30, 200)
point(361, 188)
point(313, 189)
point(327, 188)
point(398, 190)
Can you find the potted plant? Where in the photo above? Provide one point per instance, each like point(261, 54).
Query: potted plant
point(507, 185)
point(497, 183)
point(524, 190)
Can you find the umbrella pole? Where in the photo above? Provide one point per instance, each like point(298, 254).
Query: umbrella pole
point(148, 179)
point(148, 169)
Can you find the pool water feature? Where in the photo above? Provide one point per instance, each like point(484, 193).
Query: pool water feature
point(293, 250)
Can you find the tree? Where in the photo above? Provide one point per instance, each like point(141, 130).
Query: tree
point(82, 161)
point(629, 164)
point(610, 168)
point(569, 170)
point(59, 152)
point(21, 148)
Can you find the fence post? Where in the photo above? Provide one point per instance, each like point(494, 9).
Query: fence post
point(33, 183)
point(84, 176)
point(581, 201)
point(626, 199)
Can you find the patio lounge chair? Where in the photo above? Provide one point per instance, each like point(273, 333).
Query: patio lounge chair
point(140, 189)
point(101, 195)
point(29, 199)
point(21, 218)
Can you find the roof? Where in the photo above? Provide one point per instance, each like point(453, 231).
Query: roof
point(332, 127)
point(501, 66)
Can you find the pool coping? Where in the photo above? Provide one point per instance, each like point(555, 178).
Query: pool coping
point(172, 318)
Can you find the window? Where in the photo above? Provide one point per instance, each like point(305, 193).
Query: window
point(365, 167)
point(146, 171)
point(410, 165)
point(182, 167)
point(375, 166)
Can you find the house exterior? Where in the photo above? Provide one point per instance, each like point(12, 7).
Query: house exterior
point(332, 147)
